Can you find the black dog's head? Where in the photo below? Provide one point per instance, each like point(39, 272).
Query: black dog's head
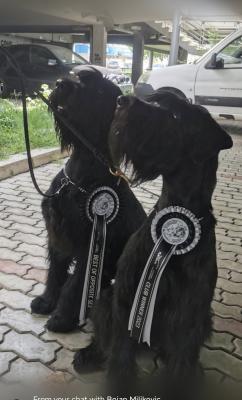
point(88, 104)
point(157, 136)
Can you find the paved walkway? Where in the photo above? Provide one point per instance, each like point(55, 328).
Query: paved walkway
point(28, 350)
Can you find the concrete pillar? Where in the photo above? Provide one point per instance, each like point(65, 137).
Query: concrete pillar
point(151, 59)
point(99, 44)
point(138, 56)
point(175, 38)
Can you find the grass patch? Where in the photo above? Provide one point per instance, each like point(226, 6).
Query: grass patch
point(41, 127)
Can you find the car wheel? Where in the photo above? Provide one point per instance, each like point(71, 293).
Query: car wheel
point(4, 91)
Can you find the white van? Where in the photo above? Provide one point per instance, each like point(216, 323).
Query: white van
point(214, 81)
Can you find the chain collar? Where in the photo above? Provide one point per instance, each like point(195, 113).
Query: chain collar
point(66, 181)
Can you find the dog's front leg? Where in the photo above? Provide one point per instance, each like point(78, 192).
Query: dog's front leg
point(65, 318)
point(57, 275)
point(122, 362)
point(183, 376)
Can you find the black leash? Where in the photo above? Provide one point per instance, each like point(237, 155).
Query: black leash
point(85, 142)
point(21, 77)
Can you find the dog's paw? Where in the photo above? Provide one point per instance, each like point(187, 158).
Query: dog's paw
point(87, 360)
point(42, 305)
point(57, 323)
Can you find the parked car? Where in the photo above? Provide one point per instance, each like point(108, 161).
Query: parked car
point(214, 81)
point(113, 64)
point(42, 64)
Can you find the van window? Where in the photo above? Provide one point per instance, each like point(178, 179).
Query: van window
point(232, 54)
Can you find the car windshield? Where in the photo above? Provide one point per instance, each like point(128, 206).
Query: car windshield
point(66, 55)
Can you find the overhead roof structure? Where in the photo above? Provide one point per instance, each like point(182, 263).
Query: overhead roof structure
point(111, 12)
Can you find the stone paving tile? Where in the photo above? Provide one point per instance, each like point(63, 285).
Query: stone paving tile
point(229, 286)
point(5, 358)
point(228, 240)
point(33, 250)
point(226, 255)
point(221, 341)
point(213, 376)
point(239, 258)
point(15, 300)
point(22, 321)
point(21, 219)
point(14, 282)
point(21, 371)
point(224, 311)
point(9, 203)
point(234, 266)
point(72, 341)
point(3, 330)
point(37, 290)
point(5, 233)
point(64, 361)
point(9, 243)
point(228, 325)
point(238, 347)
point(236, 277)
point(237, 249)
point(232, 299)
point(18, 211)
point(38, 275)
point(26, 228)
point(217, 294)
point(36, 262)
point(224, 273)
point(10, 267)
point(222, 361)
point(29, 347)
point(7, 254)
point(29, 238)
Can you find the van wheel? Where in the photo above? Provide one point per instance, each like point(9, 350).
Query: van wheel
point(178, 92)
point(4, 91)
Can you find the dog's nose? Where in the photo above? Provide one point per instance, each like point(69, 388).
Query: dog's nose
point(123, 101)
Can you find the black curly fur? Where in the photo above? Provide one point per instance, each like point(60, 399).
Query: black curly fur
point(89, 105)
point(181, 142)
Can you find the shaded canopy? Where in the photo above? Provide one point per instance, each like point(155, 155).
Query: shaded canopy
point(75, 12)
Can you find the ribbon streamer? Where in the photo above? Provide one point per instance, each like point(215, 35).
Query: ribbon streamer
point(141, 316)
point(93, 277)
point(175, 231)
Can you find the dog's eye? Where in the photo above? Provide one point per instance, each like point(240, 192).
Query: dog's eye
point(116, 133)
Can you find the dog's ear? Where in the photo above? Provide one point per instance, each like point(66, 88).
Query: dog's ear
point(207, 138)
point(89, 75)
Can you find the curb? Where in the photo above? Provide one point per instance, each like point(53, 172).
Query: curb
point(18, 163)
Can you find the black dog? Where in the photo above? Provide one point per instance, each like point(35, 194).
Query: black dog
point(181, 142)
point(89, 105)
